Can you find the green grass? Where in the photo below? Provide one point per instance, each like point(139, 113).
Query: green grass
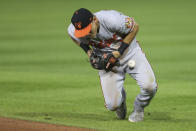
point(45, 77)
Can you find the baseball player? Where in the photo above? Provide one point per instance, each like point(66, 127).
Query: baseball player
point(109, 39)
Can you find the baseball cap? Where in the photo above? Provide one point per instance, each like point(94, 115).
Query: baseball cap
point(81, 20)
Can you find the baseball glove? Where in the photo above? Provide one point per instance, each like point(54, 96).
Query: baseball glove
point(103, 59)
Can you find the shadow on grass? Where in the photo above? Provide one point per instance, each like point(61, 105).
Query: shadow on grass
point(161, 116)
point(153, 116)
point(71, 115)
point(164, 117)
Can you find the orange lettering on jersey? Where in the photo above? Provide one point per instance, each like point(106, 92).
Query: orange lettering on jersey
point(128, 22)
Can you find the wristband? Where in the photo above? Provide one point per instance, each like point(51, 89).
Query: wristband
point(123, 47)
point(84, 47)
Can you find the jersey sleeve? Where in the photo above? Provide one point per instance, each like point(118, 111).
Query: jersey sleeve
point(120, 23)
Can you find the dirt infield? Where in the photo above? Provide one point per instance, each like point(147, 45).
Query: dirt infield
point(23, 125)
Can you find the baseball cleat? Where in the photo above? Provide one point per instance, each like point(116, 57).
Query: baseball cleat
point(122, 110)
point(136, 116)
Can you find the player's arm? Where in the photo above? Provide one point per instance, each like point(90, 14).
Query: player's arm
point(131, 35)
point(85, 47)
point(127, 40)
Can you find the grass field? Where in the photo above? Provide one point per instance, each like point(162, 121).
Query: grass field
point(45, 77)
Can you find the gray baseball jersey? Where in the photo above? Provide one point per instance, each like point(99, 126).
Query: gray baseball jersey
point(114, 26)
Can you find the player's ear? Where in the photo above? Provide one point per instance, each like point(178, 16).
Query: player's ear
point(95, 18)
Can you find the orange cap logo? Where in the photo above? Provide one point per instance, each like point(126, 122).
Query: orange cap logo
point(78, 25)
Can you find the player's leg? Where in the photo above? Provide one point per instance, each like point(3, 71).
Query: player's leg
point(121, 111)
point(113, 92)
point(145, 78)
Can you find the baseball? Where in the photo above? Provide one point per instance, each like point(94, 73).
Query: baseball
point(131, 63)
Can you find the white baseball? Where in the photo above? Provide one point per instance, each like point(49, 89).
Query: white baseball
point(131, 63)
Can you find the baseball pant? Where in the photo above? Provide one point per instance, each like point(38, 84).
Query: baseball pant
point(112, 82)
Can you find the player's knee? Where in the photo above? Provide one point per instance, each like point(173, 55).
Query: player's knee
point(112, 106)
point(150, 87)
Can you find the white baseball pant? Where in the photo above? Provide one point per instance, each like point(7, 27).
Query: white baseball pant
point(112, 82)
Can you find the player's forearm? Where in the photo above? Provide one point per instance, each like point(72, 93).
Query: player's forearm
point(89, 52)
point(85, 47)
point(128, 39)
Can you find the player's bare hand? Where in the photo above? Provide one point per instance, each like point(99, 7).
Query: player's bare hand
point(89, 53)
point(112, 60)
point(108, 65)
point(116, 54)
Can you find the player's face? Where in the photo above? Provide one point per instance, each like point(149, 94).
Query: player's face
point(94, 28)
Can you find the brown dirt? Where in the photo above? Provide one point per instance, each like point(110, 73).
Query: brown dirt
point(7, 124)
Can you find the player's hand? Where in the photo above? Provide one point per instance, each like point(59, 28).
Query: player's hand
point(103, 59)
point(89, 53)
point(116, 54)
point(112, 60)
